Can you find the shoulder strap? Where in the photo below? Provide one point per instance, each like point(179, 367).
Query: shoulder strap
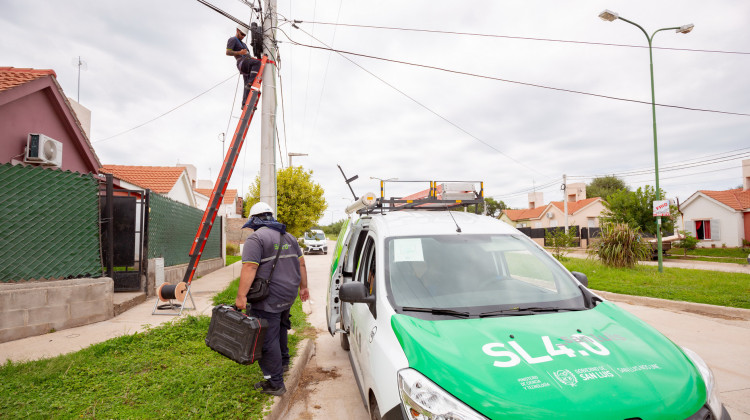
point(278, 253)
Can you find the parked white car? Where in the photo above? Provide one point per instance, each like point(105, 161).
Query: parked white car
point(315, 241)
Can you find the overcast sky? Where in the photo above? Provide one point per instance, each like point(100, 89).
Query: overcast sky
point(389, 120)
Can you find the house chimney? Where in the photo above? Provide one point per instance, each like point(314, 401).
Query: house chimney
point(746, 175)
point(536, 199)
point(576, 191)
point(192, 172)
point(84, 116)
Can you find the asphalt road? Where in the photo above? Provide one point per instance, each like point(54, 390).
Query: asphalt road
point(328, 389)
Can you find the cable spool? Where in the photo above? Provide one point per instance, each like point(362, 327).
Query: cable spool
point(168, 292)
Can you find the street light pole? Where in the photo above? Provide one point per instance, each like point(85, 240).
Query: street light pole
point(611, 16)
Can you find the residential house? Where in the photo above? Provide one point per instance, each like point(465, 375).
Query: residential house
point(32, 102)
point(231, 205)
point(719, 218)
point(582, 211)
point(170, 181)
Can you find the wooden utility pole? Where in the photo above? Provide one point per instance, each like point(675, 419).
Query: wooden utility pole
point(268, 109)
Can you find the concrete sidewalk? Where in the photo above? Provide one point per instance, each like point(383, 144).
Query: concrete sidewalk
point(131, 321)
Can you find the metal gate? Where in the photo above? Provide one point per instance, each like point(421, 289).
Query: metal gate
point(124, 227)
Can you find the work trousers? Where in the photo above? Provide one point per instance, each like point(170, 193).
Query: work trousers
point(249, 68)
point(275, 347)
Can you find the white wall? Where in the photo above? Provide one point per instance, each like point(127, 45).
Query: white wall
point(730, 222)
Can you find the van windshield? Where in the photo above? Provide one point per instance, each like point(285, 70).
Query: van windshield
point(476, 274)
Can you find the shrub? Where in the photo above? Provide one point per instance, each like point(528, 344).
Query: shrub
point(559, 241)
point(688, 243)
point(233, 249)
point(620, 246)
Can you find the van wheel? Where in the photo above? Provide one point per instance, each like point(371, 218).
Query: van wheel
point(374, 410)
point(345, 341)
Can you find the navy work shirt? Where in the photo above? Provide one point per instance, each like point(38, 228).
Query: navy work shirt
point(260, 248)
point(234, 44)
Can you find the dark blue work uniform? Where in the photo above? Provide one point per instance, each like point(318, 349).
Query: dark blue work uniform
point(247, 65)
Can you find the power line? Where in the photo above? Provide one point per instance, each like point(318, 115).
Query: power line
point(481, 76)
point(168, 112)
point(516, 37)
point(413, 100)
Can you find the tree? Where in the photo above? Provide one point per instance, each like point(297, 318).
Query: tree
point(605, 186)
point(494, 208)
point(636, 210)
point(333, 228)
point(560, 241)
point(300, 201)
point(689, 242)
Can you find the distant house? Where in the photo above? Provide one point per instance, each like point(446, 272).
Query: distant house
point(719, 218)
point(231, 206)
point(582, 212)
point(170, 181)
point(32, 102)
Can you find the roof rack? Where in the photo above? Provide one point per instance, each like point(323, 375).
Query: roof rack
point(440, 195)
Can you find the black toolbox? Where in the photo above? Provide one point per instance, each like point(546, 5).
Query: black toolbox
point(236, 335)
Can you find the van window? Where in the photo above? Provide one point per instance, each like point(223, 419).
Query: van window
point(475, 271)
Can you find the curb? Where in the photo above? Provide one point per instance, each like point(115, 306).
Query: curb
point(281, 404)
point(724, 312)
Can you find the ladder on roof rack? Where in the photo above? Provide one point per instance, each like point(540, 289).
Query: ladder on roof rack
point(217, 195)
point(440, 196)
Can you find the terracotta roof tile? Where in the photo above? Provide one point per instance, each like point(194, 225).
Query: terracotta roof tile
point(535, 213)
point(736, 199)
point(229, 195)
point(11, 77)
point(159, 179)
point(574, 206)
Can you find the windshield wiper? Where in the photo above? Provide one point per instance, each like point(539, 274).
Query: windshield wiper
point(526, 311)
point(437, 311)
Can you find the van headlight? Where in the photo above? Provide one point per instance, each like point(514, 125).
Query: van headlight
point(423, 399)
point(712, 395)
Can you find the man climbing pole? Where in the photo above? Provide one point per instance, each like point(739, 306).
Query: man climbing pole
point(246, 64)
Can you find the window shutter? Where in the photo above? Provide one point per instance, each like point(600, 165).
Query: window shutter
point(690, 227)
point(715, 230)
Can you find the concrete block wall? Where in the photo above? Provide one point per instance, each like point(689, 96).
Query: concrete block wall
point(234, 232)
point(33, 308)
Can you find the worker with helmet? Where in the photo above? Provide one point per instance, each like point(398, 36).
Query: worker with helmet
point(246, 64)
point(287, 277)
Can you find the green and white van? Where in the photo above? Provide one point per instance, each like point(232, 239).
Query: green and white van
point(453, 315)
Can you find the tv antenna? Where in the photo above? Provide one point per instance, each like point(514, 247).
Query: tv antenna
point(82, 65)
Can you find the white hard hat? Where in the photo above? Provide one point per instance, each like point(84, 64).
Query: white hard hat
point(242, 29)
point(260, 208)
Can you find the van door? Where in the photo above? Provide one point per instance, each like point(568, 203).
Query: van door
point(333, 304)
point(364, 315)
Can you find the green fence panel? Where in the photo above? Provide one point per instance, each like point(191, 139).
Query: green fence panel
point(171, 230)
point(49, 224)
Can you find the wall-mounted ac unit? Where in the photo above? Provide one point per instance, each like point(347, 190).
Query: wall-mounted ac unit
point(44, 150)
point(550, 215)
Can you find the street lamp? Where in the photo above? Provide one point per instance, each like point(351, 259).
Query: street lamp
point(292, 154)
point(610, 16)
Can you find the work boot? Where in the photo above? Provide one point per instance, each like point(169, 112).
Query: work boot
point(266, 388)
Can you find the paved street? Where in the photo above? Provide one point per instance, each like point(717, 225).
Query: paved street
point(328, 389)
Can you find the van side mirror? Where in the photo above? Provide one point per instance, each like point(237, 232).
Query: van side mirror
point(355, 292)
point(581, 278)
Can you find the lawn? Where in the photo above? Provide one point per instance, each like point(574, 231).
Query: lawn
point(231, 259)
point(165, 372)
point(701, 286)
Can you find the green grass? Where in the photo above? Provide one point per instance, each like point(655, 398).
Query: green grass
point(701, 286)
point(231, 259)
point(709, 259)
point(165, 372)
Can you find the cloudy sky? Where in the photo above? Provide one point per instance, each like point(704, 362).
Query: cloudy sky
point(517, 110)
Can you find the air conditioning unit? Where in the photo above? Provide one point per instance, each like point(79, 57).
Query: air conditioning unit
point(550, 215)
point(44, 150)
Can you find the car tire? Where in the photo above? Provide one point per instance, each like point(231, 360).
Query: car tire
point(374, 410)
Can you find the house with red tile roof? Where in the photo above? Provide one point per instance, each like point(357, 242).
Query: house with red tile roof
point(170, 181)
point(231, 206)
point(582, 212)
point(32, 102)
point(719, 218)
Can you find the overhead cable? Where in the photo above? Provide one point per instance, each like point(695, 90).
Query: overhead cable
point(481, 76)
point(515, 37)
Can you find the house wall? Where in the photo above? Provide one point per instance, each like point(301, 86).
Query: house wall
point(182, 192)
point(593, 210)
point(730, 222)
point(17, 120)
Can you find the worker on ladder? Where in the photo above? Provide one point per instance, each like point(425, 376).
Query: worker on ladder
point(246, 64)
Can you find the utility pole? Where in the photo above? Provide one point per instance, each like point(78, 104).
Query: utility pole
point(268, 109)
point(565, 200)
